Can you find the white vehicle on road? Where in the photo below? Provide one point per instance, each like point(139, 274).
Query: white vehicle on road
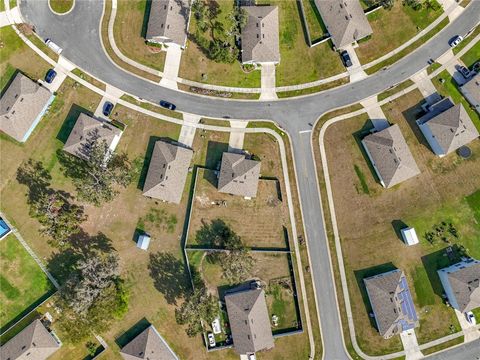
point(53, 46)
point(211, 340)
point(217, 329)
point(471, 318)
point(456, 40)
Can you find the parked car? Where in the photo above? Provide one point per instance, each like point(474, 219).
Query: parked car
point(456, 40)
point(217, 329)
point(211, 340)
point(464, 71)
point(107, 108)
point(346, 58)
point(53, 46)
point(476, 67)
point(167, 105)
point(471, 318)
point(50, 76)
point(252, 357)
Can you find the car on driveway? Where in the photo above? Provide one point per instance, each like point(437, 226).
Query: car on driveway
point(50, 76)
point(107, 108)
point(455, 41)
point(211, 340)
point(464, 71)
point(167, 105)
point(346, 58)
point(471, 318)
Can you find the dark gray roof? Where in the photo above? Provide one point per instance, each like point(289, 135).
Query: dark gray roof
point(260, 41)
point(465, 284)
point(148, 345)
point(391, 156)
point(391, 303)
point(20, 106)
point(86, 130)
point(34, 340)
point(452, 128)
point(249, 321)
point(168, 21)
point(238, 175)
point(345, 20)
point(167, 172)
point(471, 90)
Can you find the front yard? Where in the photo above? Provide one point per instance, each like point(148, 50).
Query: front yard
point(370, 220)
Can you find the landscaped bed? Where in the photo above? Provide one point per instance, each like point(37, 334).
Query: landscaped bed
point(61, 6)
point(369, 221)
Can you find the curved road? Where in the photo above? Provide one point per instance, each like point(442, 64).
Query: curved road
point(78, 34)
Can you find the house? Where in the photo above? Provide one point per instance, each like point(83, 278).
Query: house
point(447, 127)
point(238, 175)
point(34, 342)
point(409, 236)
point(249, 321)
point(391, 302)
point(167, 172)
point(345, 21)
point(471, 91)
point(4, 229)
point(168, 22)
point(461, 283)
point(22, 106)
point(143, 241)
point(87, 130)
point(149, 344)
point(260, 39)
point(390, 156)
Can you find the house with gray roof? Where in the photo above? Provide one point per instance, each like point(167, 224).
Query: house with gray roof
point(471, 91)
point(167, 172)
point(461, 283)
point(391, 302)
point(34, 342)
point(249, 321)
point(87, 130)
point(447, 127)
point(168, 22)
point(345, 21)
point(22, 106)
point(260, 39)
point(238, 175)
point(148, 345)
point(390, 156)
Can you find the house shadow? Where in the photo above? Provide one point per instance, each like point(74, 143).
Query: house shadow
point(70, 120)
point(411, 115)
point(146, 17)
point(9, 82)
point(360, 275)
point(132, 333)
point(365, 130)
point(398, 225)
point(215, 151)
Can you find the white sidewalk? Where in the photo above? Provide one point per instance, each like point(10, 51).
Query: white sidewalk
point(410, 345)
point(454, 6)
point(187, 133)
point(375, 113)
point(268, 82)
point(426, 87)
point(235, 142)
point(356, 72)
point(172, 66)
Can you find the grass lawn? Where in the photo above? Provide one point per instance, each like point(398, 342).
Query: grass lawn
point(435, 195)
point(129, 31)
point(314, 20)
point(467, 40)
point(22, 283)
point(473, 201)
point(472, 55)
point(391, 28)
point(61, 6)
point(402, 86)
point(89, 79)
point(449, 88)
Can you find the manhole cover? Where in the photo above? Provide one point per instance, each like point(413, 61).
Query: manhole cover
point(464, 152)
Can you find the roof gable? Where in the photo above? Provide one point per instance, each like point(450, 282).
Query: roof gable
point(465, 283)
point(169, 19)
point(148, 345)
point(238, 175)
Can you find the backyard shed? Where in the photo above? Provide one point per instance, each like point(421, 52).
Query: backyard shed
point(143, 241)
point(409, 236)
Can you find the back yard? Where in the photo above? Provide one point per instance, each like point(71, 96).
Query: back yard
point(371, 220)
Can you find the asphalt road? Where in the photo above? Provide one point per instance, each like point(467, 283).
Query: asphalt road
point(78, 34)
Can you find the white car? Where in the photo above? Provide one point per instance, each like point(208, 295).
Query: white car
point(211, 340)
point(456, 40)
point(252, 357)
point(471, 318)
point(217, 329)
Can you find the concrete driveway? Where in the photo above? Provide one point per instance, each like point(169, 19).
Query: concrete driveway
point(268, 82)
point(410, 345)
point(426, 87)
point(172, 66)
point(356, 72)
point(470, 331)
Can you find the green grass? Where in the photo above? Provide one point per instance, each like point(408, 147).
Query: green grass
point(89, 79)
point(423, 289)
point(314, 21)
point(473, 201)
point(395, 89)
point(361, 177)
point(61, 6)
point(22, 282)
point(472, 55)
point(449, 88)
point(467, 40)
point(443, 346)
point(314, 89)
point(476, 313)
point(433, 67)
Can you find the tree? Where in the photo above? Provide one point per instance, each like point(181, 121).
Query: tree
point(236, 264)
point(200, 305)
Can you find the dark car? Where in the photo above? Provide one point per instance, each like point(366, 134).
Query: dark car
point(464, 71)
point(50, 76)
point(107, 108)
point(167, 105)
point(346, 58)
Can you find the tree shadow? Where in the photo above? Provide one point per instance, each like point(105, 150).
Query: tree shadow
point(85, 243)
point(358, 136)
point(70, 120)
point(72, 166)
point(398, 225)
point(62, 264)
point(169, 275)
point(365, 273)
point(132, 333)
point(34, 175)
point(213, 234)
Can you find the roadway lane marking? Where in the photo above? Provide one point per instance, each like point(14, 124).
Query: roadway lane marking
point(305, 131)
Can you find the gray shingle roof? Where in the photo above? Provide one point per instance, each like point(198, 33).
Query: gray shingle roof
point(167, 172)
point(465, 284)
point(148, 345)
point(345, 20)
point(20, 106)
point(34, 340)
point(260, 41)
point(249, 321)
point(168, 21)
point(391, 303)
point(452, 128)
point(391, 156)
point(238, 175)
point(87, 129)
point(471, 90)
